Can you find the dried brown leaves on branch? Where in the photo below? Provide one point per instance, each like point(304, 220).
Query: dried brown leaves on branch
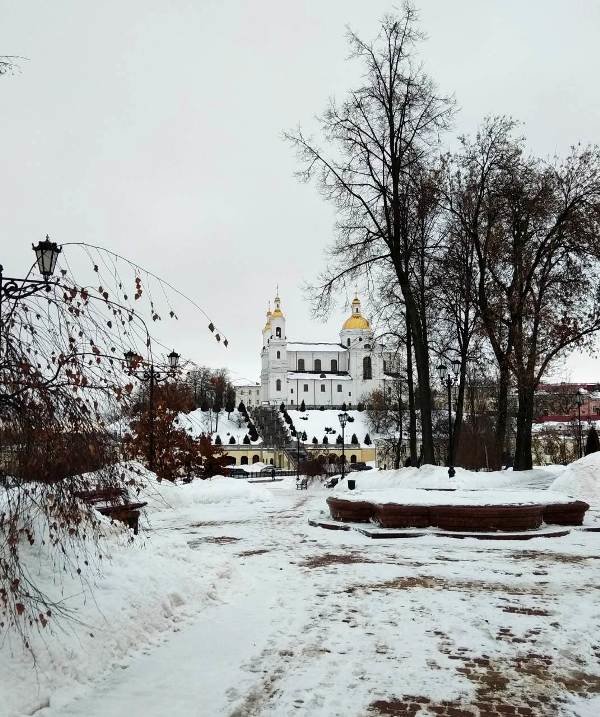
point(63, 389)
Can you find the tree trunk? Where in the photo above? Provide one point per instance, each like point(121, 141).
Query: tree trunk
point(424, 399)
point(501, 416)
point(412, 413)
point(523, 458)
point(460, 403)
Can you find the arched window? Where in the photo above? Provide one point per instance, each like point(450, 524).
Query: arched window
point(278, 385)
point(300, 364)
point(367, 371)
point(279, 354)
point(278, 332)
point(244, 461)
point(317, 364)
point(334, 365)
point(347, 342)
point(255, 459)
point(353, 458)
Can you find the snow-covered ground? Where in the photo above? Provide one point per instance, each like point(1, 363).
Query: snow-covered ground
point(315, 422)
point(221, 424)
point(229, 604)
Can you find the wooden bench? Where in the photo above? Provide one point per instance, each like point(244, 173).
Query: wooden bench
point(302, 484)
point(114, 503)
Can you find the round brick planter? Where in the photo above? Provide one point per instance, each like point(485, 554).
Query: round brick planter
point(394, 515)
point(351, 511)
point(461, 518)
point(565, 513)
point(477, 518)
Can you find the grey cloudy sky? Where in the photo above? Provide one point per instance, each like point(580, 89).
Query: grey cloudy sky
point(154, 129)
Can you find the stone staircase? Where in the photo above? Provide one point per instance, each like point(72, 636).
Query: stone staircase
point(274, 434)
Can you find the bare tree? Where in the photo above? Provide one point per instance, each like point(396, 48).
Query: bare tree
point(381, 141)
point(534, 228)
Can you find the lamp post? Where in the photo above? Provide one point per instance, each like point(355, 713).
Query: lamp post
point(14, 289)
point(152, 376)
point(579, 436)
point(298, 433)
point(343, 419)
point(449, 376)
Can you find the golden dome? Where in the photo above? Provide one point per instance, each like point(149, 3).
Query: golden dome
point(356, 321)
point(277, 313)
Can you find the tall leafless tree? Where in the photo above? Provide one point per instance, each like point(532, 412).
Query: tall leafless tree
point(380, 141)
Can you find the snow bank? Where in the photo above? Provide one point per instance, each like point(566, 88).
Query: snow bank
point(221, 424)
point(581, 479)
point(418, 497)
point(436, 477)
point(219, 489)
point(129, 594)
point(315, 422)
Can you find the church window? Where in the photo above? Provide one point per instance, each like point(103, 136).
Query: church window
point(334, 365)
point(367, 371)
point(322, 388)
point(244, 461)
point(278, 385)
point(347, 342)
point(255, 459)
point(300, 364)
point(339, 388)
point(278, 332)
point(317, 364)
point(305, 388)
point(291, 390)
point(385, 366)
point(292, 401)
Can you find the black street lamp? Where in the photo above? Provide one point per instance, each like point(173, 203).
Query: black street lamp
point(298, 434)
point(579, 435)
point(343, 419)
point(449, 376)
point(148, 372)
point(14, 289)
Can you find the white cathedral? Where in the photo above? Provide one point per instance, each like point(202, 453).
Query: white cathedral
point(322, 374)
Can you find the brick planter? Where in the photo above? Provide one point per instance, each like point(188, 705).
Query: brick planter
point(565, 513)
point(477, 518)
point(394, 515)
point(460, 518)
point(351, 511)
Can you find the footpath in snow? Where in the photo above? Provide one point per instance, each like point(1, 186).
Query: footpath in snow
point(232, 605)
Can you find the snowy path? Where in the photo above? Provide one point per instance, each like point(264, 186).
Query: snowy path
point(320, 624)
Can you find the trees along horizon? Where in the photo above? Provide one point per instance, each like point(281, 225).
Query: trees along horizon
point(487, 254)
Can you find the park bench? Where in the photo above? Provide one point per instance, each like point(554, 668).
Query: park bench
point(302, 484)
point(114, 503)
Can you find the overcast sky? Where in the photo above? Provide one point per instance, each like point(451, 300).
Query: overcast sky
point(154, 129)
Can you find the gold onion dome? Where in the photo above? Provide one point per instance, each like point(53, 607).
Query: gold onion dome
point(269, 314)
point(356, 320)
point(277, 313)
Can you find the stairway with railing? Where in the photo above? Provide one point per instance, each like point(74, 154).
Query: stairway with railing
point(267, 420)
